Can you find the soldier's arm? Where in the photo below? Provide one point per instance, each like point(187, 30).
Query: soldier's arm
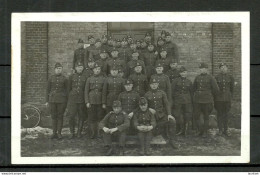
point(166, 103)
point(232, 85)
point(146, 84)
point(86, 54)
point(125, 125)
point(70, 83)
point(194, 85)
point(153, 120)
point(87, 88)
point(48, 89)
point(191, 91)
point(104, 91)
point(168, 85)
point(66, 85)
point(135, 121)
point(214, 85)
point(173, 86)
point(103, 122)
point(143, 65)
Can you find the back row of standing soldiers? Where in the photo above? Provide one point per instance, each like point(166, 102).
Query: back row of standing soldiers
point(126, 87)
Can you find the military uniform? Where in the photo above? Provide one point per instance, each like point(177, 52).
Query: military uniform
point(140, 82)
point(182, 95)
point(103, 63)
point(93, 95)
point(113, 86)
point(149, 60)
point(165, 62)
point(131, 66)
point(146, 119)
point(173, 74)
point(114, 120)
point(119, 62)
point(172, 49)
point(76, 102)
point(204, 86)
point(222, 100)
point(89, 50)
point(124, 52)
point(56, 96)
point(157, 100)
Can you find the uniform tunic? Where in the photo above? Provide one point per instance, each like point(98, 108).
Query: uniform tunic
point(131, 66)
point(80, 55)
point(144, 118)
point(124, 53)
point(172, 50)
point(165, 62)
point(129, 100)
point(149, 61)
point(173, 74)
point(140, 83)
point(119, 62)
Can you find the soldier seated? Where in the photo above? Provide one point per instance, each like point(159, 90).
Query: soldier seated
point(114, 125)
point(144, 123)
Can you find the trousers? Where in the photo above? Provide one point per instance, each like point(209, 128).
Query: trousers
point(165, 127)
point(222, 108)
point(117, 136)
point(57, 112)
point(204, 109)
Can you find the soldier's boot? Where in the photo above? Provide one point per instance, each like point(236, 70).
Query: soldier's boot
point(93, 129)
point(59, 127)
point(186, 127)
point(54, 129)
point(142, 152)
point(110, 150)
point(80, 127)
point(147, 148)
point(180, 132)
point(205, 133)
point(72, 130)
point(121, 151)
point(173, 145)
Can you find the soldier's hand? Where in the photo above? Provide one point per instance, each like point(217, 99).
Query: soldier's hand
point(113, 130)
point(149, 128)
point(46, 104)
point(104, 106)
point(171, 117)
point(130, 115)
point(152, 110)
point(156, 53)
point(140, 128)
point(88, 105)
point(106, 130)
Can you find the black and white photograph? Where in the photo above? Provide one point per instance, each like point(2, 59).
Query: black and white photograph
point(97, 88)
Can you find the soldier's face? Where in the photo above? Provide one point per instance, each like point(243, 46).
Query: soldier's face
point(138, 44)
point(174, 65)
point(128, 87)
point(114, 43)
point(133, 46)
point(79, 69)
point(129, 40)
point(160, 42)
point(118, 44)
point(120, 74)
point(163, 35)
point(98, 44)
point(110, 42)
point(143, 107)
point(135, 56)
point(104, 40)
point(114, 53)
point(203, 70)
point(138, 69)
point(168, 38)
point(143, 44)
point(148, 38)
point(58, 70)
point(224, 69)
point(159, 70)
point(92, 41)
point(117, 109)
point(91, 64)
point(123, 43)
point(184, 74)
point(154, 86)
point(150, 47)
point(103, 55)
point(163, 54)
point(114, 72)
point(97, 70)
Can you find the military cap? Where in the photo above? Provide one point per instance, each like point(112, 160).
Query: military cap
point(114, 67)
point(152, 80)
point(131, 42)
point(104, 36)
point(221, 64)
point(128, 81)
point(142, 41)
point(129, 36)
point(80, 41)
point(91, 59)
point(98, 40)
point(167, 34)
point(103, 51)
point(150, 44)
point(90, 37)
point(147, 34)
point(96, 65)
point(163, 49)
point(114, 49)
point(158, 65)
point(203, 65)
point(160, 39)
point(117, 103)
point(110, 38)
point(118, 40)
point(137, 64)
point(182, 69)
point(120, 69)
point(79, 64)
point(143, 101)
point(124, 39)
point(163, 32)
point(135, 51)
point(57, 65)
point(138, 41)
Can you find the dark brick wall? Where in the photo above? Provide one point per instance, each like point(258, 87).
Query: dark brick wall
point(35, 59)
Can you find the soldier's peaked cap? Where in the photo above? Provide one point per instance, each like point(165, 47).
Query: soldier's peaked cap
point(90, 36)
point(160, 39)
point(114, 49)
point(163, 31)
point(128, 81)
point(203, 65)
point(221, 64)
point(129, 36)
point(152, 80)
point(143, 101)
point(110, 38)
point(167, 34)
point(147, 34)
point(98, 40)
point(103, 51)
point(104, 36)
point(182, 69)
point(57, 65)
point(96, 65)
point(138, 64)
point(114, 67)
point(163, 49)
point(79, 64)
point(80, 41)
point(117, 103)
point(158, 65)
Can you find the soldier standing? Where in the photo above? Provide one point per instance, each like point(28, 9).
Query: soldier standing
point(124, 50)
point(144, 123)
point(115, 61)
point(223, 98)
point(182, 95)
point(171, 47)
point(80, 54)
point(89, 69)
point(149, 60)
point(164, 60)
point(76, 102)
point(56, 98)
point(204, 87)
point(103, 61)
point(163, 80)
point(157, 100)
point(163, 34)
point(129, 39)
point(104, 43)
point(114, 125)
point(113, 86)
point(160, 44)
point(94, 99)
point(132, 63)
point(148, 38)
point(139, 79)
point(173, 72)
point(97, 50)
point(110, 45)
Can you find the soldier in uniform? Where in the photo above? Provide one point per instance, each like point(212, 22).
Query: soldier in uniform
point(89, 69)
point(163, 80)
point(94, 99)
point(148, 38)
point(129, 39)
point(113, 86)
point(80, 54)
point(157, 100)
point(173, 72)
point(121, 73)
point(222, 100)
point(164, 59)
point(149, 60)
point(160, 44)
point(110, 45)
point(138, 45)
point(97, 50)
point(132, 63)
point(124, 50)
point(56, 98)
point(103, 61)
point(118, 44)
point(76, 102)
point(139, 79)
point(114, 125)
point(144, 123)
point(91, 48)
point(182, 95)
point(115, 61)
point(204, 87)
point(104, 42)
point(163, 34)
point(171, 47)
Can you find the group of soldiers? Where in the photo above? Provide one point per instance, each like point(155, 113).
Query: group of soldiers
point(126, 87)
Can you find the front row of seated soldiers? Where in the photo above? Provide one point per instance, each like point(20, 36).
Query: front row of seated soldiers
point(201, 95)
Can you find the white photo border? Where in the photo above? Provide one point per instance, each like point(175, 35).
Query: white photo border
point(229, 17)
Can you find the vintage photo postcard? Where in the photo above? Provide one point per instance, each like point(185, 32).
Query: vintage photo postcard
point(130, 88)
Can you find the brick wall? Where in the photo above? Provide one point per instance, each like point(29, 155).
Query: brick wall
point(36, 49)
point(194, 43)
point(23, 61)
point(63, 38)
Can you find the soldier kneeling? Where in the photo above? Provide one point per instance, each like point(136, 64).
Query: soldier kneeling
point(144, 122)
point(114, 125)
